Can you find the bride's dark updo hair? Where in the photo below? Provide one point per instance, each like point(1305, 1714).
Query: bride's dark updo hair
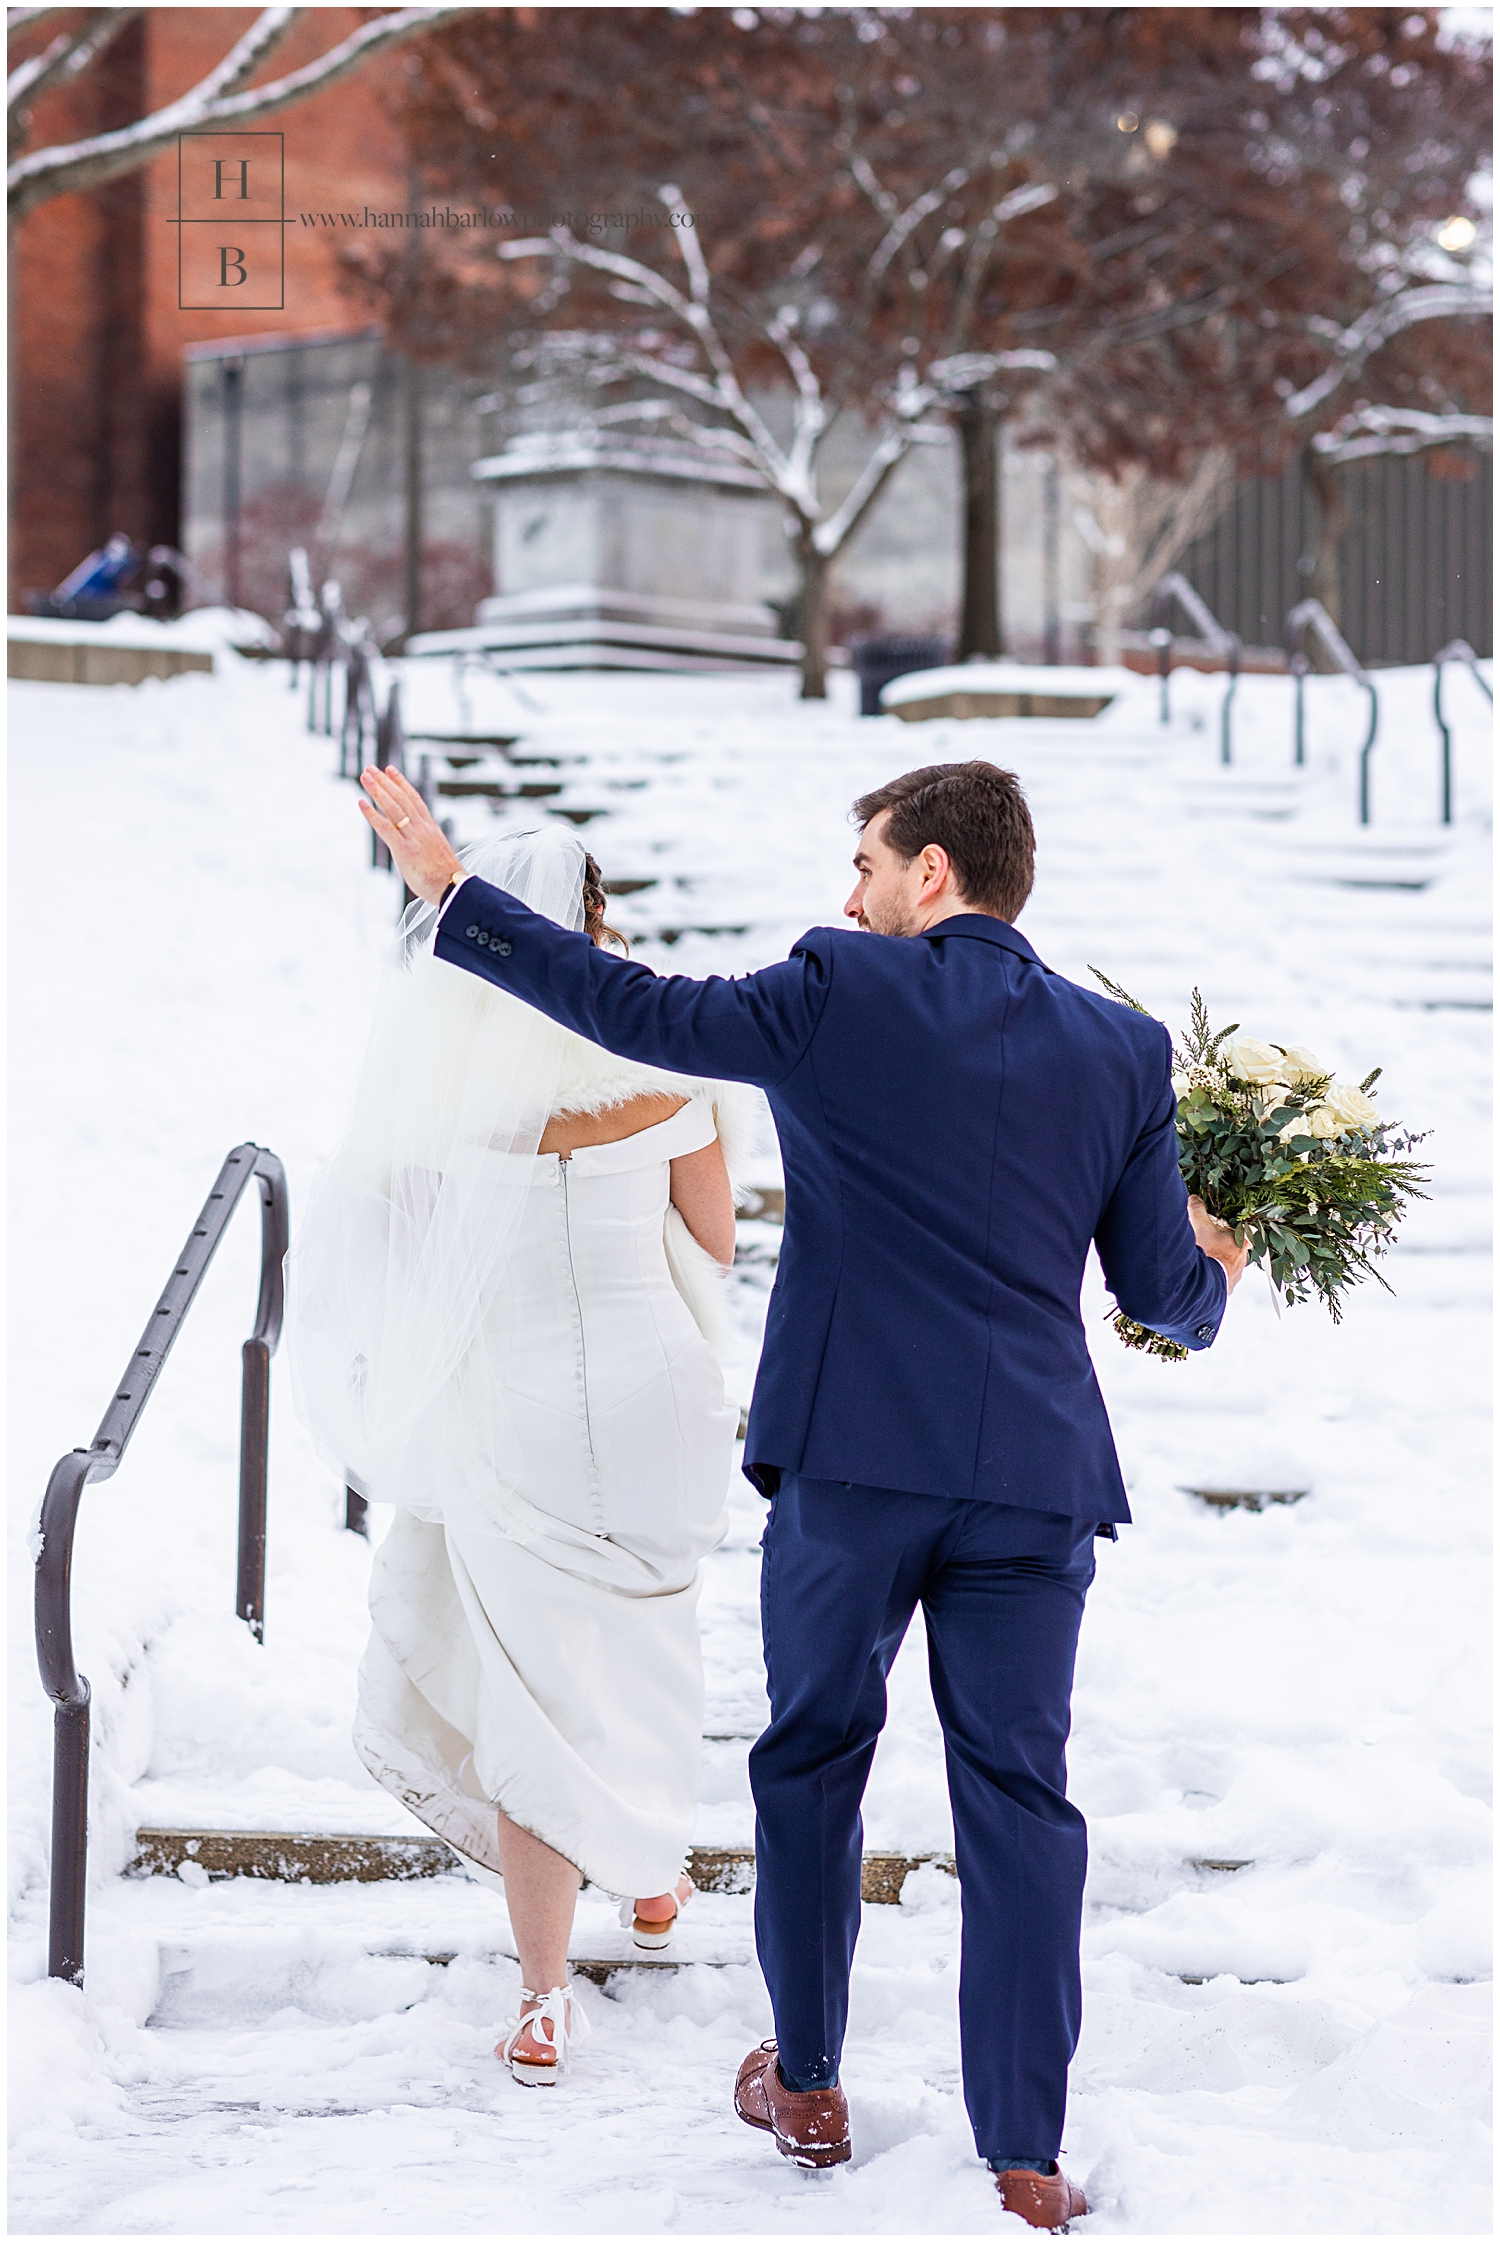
point(593, 908)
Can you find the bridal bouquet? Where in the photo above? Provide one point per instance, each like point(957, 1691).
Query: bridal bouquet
point(1301, 1166)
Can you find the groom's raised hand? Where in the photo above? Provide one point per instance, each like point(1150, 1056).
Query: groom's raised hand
point(397, 812)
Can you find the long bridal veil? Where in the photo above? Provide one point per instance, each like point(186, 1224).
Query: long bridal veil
point(408, 1231)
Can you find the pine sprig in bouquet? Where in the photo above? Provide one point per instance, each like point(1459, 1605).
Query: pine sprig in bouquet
point(1302, 1167)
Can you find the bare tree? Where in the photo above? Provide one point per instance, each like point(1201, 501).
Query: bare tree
point(705, 374)
point(217, 100)
point(1138, 527)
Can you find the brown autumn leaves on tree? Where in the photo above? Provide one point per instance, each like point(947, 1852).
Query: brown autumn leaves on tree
point(1153, 234)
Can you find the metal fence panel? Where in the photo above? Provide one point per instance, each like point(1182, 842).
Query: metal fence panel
point(1416, 566)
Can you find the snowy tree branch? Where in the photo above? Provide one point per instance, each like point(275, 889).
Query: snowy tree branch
point(36, 177)
point(832, 535)
point(245, 57)
point(976, 264)
point(898, 234)
point(723, 393)
point(26, 19)
point(1377, 327)
point(64, 57)
point(671, 377)
point(811, 415)
point(971, 368)
point(1390, 431)
point(692, 254)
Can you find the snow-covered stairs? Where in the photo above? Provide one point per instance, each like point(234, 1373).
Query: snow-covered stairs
point(234, 1951)
point(1295, 2044)
point(305, 1858)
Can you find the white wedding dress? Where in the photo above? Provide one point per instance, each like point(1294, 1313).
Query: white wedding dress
point(552, 1668)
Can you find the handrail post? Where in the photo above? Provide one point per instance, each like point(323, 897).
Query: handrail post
point(1161, 639)
point(1299, 739)
point(1312, 615)
point(70, 1838)
point(255, 1428)
point(1231, 690)
point(1364, 759)
point(69, 1691)
point(1175, 586)
point(255, 1397)
point(1457, 650)
point(1447, 737)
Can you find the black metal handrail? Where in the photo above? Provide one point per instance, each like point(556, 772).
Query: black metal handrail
point(324, 655)
point(302, 624)
point(68, 1689)
point(1312, 615)
point(1456, 650)
point(1174, 588)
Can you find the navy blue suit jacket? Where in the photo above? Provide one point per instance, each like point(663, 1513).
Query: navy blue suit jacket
point(958, 1124)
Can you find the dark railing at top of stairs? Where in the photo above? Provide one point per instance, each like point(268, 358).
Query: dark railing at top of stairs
point(302, 623)
point(1174, 589)
point(1457, 650)
point(68, 1689)
point(1310, 615)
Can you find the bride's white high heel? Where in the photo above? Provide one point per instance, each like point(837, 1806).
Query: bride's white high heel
point(539, 2064)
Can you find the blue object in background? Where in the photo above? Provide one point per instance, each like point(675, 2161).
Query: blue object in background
point(95, 589)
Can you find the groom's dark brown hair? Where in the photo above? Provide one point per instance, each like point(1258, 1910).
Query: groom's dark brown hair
point(977, 813)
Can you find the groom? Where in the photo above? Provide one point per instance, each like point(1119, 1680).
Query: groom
point(958, 1125)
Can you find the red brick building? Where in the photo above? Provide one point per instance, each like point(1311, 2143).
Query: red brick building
point(97, 335)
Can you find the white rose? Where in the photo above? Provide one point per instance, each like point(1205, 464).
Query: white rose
point(1299, 1064)
point(1250, 1060)
point(1350, 1108)
point(1323, 1122)
point(1181, 1084)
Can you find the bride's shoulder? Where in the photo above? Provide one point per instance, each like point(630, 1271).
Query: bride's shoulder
point(590, 1079)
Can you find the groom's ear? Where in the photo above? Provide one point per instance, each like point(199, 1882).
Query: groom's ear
point(937, 864)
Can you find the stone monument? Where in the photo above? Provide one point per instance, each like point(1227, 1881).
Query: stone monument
point(635, 553)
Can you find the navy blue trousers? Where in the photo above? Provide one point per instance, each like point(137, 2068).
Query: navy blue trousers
point(1002, 1590)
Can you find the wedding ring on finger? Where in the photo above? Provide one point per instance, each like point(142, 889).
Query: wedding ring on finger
point(402, 821)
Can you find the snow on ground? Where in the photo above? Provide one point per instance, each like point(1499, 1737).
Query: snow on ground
point(1295, 2045)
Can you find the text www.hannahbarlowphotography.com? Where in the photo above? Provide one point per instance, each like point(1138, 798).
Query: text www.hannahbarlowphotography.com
point(482, 219)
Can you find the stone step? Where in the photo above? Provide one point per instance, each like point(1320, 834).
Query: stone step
point(674, 934)
point(216, 1967)
point(497, 790)
point(1245, 1498)
point(766, 1203)
point(319, 1857)
point(463, 741)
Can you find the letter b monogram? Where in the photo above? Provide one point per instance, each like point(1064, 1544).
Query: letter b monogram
point(240, 275)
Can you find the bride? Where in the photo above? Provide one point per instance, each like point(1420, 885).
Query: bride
point(502, 1302)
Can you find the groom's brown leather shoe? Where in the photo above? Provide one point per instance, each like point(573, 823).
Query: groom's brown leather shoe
point(811, 2129)
point(1044, 2199)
